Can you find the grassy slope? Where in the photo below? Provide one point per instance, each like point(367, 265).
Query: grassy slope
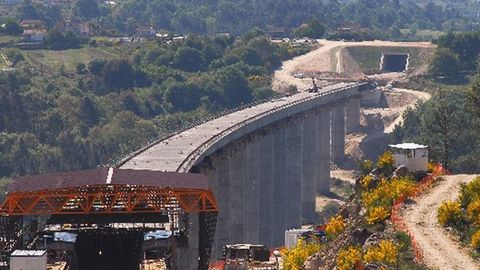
point(368, 58)
point(51, 60)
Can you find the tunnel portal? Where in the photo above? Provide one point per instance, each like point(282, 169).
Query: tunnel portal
point(394, 62)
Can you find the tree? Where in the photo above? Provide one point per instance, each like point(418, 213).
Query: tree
point(188, 59)
point(11, 27)
point(87, 9)
point(183, 97)
point(234, 86)
point(118, 74)
point(445, 63)
point(313, 29)
point(88, 112)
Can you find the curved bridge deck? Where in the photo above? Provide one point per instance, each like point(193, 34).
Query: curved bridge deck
point(182, 151)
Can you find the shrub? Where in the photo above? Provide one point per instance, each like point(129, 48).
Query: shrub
point(385, 163)
point(348, 258)
point(449, 213)
point(388, 191)
point(366, 167)
point(386, 252)
point(476, 240)
point(377, 215)
point(473, 212)
point(366, 181)
point(470, 192)
point(294, 258)
point(335, 226)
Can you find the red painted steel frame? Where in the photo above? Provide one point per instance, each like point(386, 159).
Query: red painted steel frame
point(109, 199)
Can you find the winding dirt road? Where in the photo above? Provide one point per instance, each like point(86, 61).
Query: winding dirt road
point(440, 250)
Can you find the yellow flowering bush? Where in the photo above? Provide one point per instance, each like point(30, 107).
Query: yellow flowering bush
point(388, 191)
point(449, 213)
point(473, 212)
point(366, 181)
point(476, 240)
point(348, 258)
point(377, 215)
point(430, 167)
point(335, 226)
point(386, 252)
point(294, 258)
point(366, 166)
point(470, 192)
point(385, 162)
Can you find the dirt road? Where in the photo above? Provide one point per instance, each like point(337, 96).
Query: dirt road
point(329, 57)
point(440, 251)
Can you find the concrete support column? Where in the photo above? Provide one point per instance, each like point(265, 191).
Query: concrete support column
point(310, 170)
point(338, 132)
point(187, 257)
point(222, 232)
point(280, 195)
point(265, 179)
point(353, 114)
point(252, 195)
point(237, 194)
point(323, 144)
point(294, 174)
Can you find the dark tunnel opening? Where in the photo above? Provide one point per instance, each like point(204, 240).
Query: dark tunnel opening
point(394, 62)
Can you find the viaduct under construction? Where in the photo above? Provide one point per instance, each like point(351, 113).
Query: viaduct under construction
point(260, 168)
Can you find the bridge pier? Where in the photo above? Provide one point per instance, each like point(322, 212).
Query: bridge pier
point(266, 203)
point(310, 164)
point(237, 194)
point(323, 144)
point(338, 132)
point(294, 174)
point(252, 193)
point(353, 114)
point(280, 189)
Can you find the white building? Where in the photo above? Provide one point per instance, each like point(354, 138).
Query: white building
point(412, 155)
point(28, 260)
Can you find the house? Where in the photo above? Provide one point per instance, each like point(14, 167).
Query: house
point(31, 24)
point(35, 35)
point(413, 156)
point(145, 31)
point(78, 27)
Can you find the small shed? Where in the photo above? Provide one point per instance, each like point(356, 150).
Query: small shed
point(412, 155)
point(28, 260)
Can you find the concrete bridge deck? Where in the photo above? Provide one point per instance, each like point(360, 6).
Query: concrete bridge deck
point(184, 150)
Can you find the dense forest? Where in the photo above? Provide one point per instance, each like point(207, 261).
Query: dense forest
point(384, 18)
point(62, 120)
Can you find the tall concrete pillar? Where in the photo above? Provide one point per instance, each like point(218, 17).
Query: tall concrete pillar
point(187, 257)
point(280, 196)
point(222, 232)
point(353, 114)
point(265, 179)
point(338, 132)
point(310, 167)
point(237, 194)
point(294, 174)
point(252, 195)
point(323, 144)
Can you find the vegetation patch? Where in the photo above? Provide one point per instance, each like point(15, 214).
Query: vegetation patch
point(368, 58)
point(463, 215)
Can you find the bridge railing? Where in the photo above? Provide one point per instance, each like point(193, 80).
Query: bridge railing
point(117, 162)
point(189, 161)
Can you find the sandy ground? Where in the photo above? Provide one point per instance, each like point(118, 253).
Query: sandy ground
point(320, 60)
point(440, 250)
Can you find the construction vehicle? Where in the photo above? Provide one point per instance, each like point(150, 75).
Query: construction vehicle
point(314, 88)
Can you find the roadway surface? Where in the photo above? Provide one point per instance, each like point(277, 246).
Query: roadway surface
point(182, 151)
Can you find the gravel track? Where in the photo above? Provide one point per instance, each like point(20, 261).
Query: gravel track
point(440, 250)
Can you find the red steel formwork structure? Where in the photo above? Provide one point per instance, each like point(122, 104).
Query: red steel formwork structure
point(107, 191)
point(111, 191)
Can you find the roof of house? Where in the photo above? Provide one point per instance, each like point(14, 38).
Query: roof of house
point(408, 146)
